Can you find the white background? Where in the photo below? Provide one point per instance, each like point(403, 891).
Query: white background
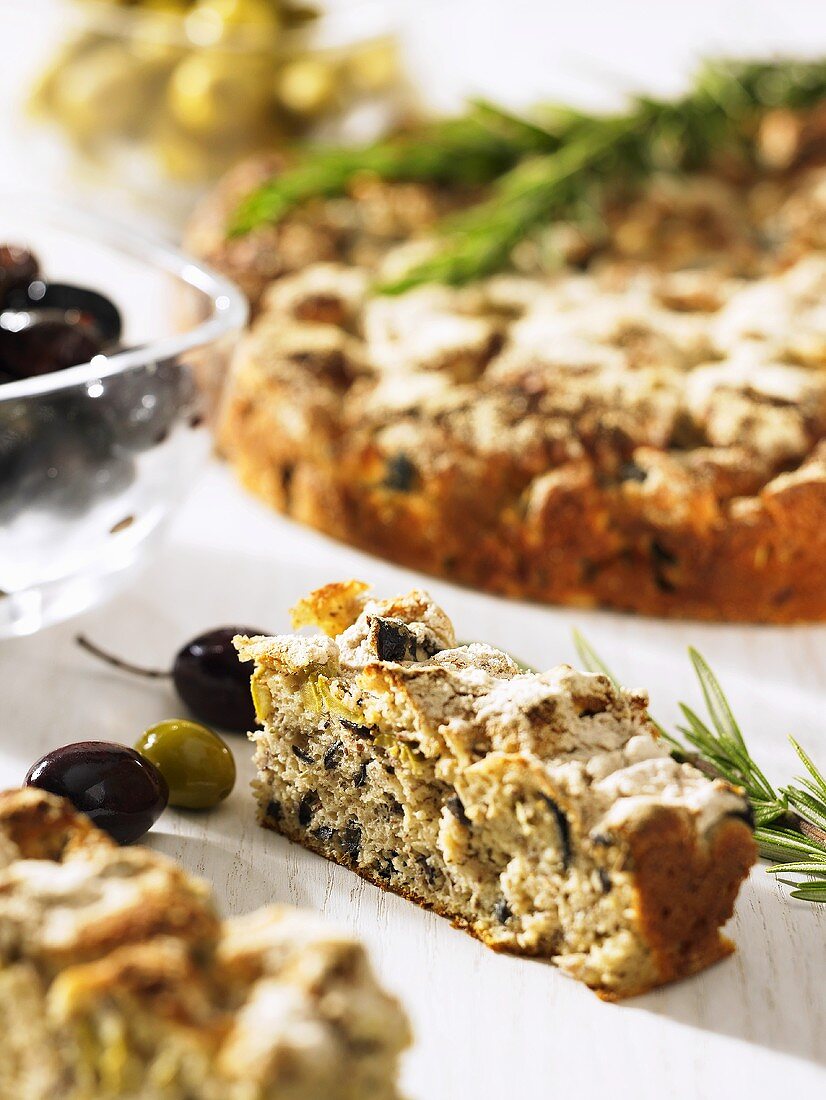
point(486, 1026)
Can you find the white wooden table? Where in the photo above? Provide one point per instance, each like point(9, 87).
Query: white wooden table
point(486, 1026)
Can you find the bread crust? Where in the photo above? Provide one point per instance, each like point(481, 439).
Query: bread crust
point(582, 549)
point(734, 530)
point(117, 973)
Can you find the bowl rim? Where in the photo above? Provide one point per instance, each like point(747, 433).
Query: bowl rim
point(229, 312)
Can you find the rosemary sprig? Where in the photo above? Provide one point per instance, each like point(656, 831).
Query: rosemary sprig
point(544, 171)
point(470, 150)
point(480, 241)
point(790, 823)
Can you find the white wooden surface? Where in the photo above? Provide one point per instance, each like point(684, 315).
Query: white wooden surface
point(487, 1026)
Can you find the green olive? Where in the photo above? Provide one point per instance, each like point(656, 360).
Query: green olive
point(196, 764)
point(102, 92)
point(306, 85)
point(182, 156)
point(41, 97)
point(213, 93)
point(163, 7)
point(223, 21)
point(372, 67)
point(157, 42)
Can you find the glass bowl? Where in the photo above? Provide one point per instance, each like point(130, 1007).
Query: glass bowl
point(95, 459)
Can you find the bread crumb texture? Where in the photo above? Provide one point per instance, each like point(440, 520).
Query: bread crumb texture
point(118, 980)
point(539, 811)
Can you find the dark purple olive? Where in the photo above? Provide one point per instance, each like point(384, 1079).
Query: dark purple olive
point(76, 305)
point(46, 346)
point(121, 791)
point(18, 267)
point(208, 677)
point(213, 683)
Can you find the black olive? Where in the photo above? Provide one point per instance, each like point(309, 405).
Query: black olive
point(120, 790)
point(208, 676)
point(333, 755)
point(18, 267)
point(661, 560)
point(144, 404)
point(76, 304)
point(400, 474)
point(361, 776)
point(456, 807)
point(213, 682)
point(502, 911)
point(351, 841)
point(394, 641)
point(564, 829)
point(58, 455)
point(46, 346)
point(302, 755)
point(427, 869)
point(273, 811)
point(385, 869)
point(307, 807)
point(630, 471)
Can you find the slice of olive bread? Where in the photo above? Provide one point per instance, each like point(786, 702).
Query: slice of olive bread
point(539, 811)
point(118, 980)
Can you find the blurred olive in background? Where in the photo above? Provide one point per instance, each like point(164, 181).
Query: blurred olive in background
point(194, 85)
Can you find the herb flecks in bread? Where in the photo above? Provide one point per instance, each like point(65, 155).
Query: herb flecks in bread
point(541, 812)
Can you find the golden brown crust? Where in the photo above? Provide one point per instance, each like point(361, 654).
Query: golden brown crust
point(114, 961)
point(332, 608)
point(540, 811)
point(42, 826)
point(115, 896)
point(581, 547)
point(686, 890)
